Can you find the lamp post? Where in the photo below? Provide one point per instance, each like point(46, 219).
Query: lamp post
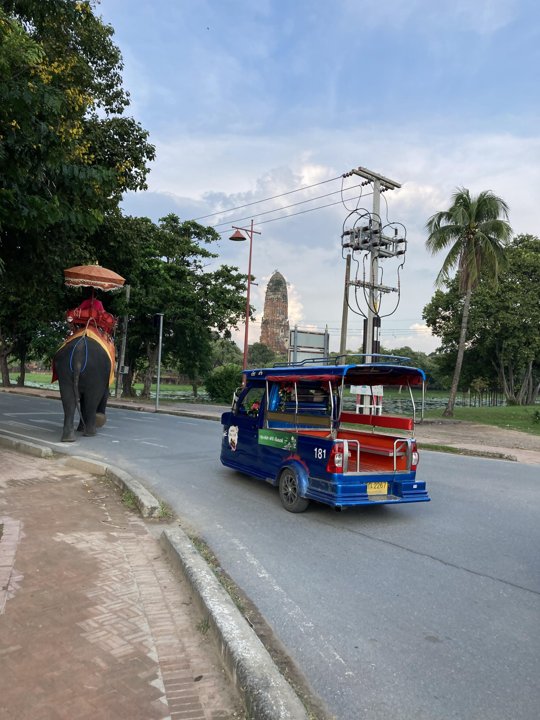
point(160, 316)
point(238, 236)
point(121, 359)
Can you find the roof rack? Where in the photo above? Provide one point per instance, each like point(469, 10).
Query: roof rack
point(342, 360)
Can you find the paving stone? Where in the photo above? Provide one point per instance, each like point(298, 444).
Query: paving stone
point(93, 622)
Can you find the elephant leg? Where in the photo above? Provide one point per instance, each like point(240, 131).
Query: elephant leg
point(88, 410)
point(68, 403)
point(90, 423)
point(101, 417)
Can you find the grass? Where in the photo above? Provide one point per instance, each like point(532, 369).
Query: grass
point(45, 379)
point(524, 419)
point(129, 499)
point(165, 512)
point(203, 626)
point(511, 417)
point(203, 550)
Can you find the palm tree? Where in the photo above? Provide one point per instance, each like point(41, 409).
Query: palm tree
point(476, 231)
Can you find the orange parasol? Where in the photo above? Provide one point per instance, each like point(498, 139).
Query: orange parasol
point(93, 276)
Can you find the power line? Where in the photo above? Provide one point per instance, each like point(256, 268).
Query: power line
point(353, 331)
point(290, 215)
point(286, 207)
point(274, 197)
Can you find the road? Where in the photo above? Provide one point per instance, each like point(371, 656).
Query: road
point(405, 612)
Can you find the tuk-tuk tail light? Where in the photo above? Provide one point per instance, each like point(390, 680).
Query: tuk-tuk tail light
point(414, 457)
point(335, 461)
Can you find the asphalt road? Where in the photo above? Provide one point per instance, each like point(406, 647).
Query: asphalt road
point(422, 611)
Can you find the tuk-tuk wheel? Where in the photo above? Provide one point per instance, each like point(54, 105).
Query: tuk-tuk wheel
point(288, 492)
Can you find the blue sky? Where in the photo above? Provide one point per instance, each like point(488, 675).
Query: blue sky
point(245, 100)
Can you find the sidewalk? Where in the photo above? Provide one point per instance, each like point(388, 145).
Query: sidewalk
point(93, 622)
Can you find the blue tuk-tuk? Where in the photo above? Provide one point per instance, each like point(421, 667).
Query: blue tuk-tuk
point(288, 426)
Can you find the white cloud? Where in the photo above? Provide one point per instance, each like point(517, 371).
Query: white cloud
point(203, 174)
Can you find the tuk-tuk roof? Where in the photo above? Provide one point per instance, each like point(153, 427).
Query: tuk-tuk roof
point(365, 374)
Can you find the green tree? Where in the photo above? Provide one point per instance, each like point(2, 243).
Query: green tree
point(222, 383)
point(167, 268)
point(260, 355)
point(67, 153)
point(225, 352)
point(443, 316)
point(418, 359)
point(507, 335)
point(475, 231)
point(503, 331)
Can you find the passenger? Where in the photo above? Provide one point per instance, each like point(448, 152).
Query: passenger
point(92, 311)
point(92, 303)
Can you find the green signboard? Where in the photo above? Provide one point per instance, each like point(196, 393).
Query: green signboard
point(277, 439)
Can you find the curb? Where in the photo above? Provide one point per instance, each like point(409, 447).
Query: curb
point(26, 447)
point(147, 504)
point(265, 692)
point(267, 695)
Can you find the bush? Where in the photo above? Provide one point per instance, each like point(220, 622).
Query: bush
point(222, 382)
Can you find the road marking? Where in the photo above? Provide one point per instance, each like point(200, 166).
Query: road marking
point(32, 414)
point(146, 442)
point(137, 419)
point(28, 425)
point(33, 438)
point(297, 615)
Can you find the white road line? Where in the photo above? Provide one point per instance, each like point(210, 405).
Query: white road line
point(145, 442)
point(32, 414)
point(293, 610)
point(31, 437)
point(136, 419)
point(28, 425)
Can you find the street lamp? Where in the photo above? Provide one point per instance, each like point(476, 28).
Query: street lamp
point(238, 236)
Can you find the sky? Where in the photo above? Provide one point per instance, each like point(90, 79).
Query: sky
point(247, 100)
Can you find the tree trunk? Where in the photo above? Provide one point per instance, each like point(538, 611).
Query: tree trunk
point(449, 409)
point(22, 372)
point(5, 351)
point(4, 369)
point(526, 386)
point(507, 386)
point(151, 355)
point(127, 383)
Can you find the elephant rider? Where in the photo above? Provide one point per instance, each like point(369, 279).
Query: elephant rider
point(92, 312)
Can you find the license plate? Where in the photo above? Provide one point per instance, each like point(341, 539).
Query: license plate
point(377, 488)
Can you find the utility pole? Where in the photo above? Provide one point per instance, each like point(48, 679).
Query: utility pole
point(374, 296)
point(371, 238)
point(345, 313)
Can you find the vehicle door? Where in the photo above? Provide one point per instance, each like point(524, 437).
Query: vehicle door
point(242, 433)
point(278, 437)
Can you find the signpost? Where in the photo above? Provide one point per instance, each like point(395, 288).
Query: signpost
point(308, 344)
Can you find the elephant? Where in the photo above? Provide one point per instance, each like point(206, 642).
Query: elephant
point(83, 368)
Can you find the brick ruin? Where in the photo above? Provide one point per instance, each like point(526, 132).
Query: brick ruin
point(275, 322)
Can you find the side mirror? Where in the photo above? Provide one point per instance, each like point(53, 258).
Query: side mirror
point(236, 396)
